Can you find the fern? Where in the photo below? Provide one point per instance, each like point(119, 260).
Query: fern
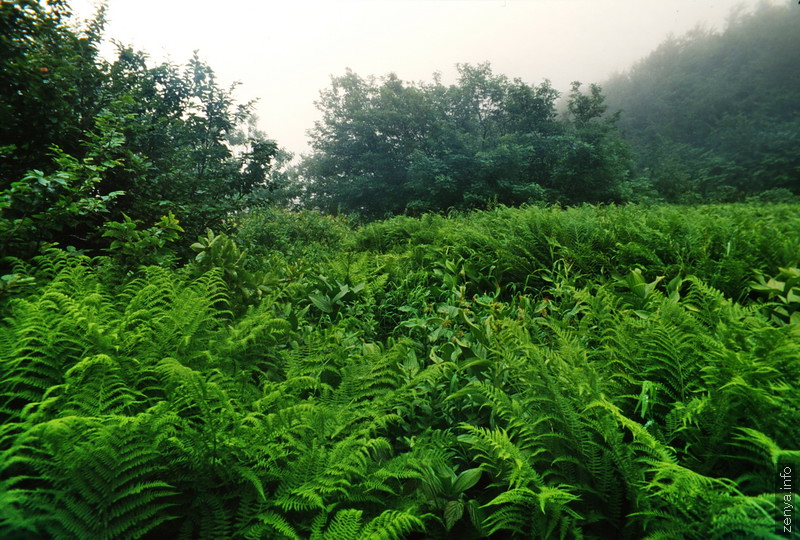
point(530, 512)
point(495, 381)
point(101, 477)
point(97, 386)
point(348, 525)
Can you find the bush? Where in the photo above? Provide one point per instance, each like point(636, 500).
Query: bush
point(306, 233)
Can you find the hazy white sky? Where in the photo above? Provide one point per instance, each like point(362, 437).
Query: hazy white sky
point(284, 52)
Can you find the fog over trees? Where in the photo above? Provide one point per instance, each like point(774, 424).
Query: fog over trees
point(714, 115)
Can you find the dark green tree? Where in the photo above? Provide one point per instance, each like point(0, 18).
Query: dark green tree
point(84, 140)
point(189, 149)
point(386, 146)
point(48, 84)
point(595, 160)
point(714, 115)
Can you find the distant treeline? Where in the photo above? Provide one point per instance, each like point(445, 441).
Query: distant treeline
point(715, 116)
point(708, 117)
point(386, 146)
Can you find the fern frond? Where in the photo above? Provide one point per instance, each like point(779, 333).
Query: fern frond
point(526, 511)
point(497, 453)
point(270, 525)
point(393, 525)
point(345, 525)
point(106, 478)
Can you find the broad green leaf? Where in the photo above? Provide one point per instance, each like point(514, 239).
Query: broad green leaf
point(322, 302)
point(466, 480)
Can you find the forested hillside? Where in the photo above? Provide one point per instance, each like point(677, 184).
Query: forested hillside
point(714, 116)
point(197, 341)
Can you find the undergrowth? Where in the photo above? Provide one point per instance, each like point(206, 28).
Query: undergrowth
point(612, 372)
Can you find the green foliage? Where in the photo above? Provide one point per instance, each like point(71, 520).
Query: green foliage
point(191, 148)
point(40, 206)
point(710, 115)
point(389, 147)
point(148, 246)
point(594, 372)
point(514, 373)
point(221, 252)
point(783, 291)
point(127, 138)
point(48, 85)
point(721, 244)
point(304, 234)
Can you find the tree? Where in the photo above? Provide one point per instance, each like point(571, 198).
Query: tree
point(714, 115)
point(48, 84)
point(595, 159)
point(143, 140)
point(386, 146)
point(189, 144)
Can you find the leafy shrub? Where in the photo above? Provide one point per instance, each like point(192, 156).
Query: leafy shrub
point(44, 207)
point(306, 233)
point(142, 247)
point(783, 292)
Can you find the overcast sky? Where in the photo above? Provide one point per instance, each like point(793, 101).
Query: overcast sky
point(284, 52)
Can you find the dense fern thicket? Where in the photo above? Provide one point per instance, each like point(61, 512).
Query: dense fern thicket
point(596, 372)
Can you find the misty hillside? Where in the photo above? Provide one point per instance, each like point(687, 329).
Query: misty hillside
point(715, 115)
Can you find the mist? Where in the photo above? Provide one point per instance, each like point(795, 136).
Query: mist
point(284, 53)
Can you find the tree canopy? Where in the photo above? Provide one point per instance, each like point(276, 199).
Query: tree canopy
point(714, 115)
point(85, 140)
point(385, 146)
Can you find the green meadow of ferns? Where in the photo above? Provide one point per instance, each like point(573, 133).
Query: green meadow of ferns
point(527, 373)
